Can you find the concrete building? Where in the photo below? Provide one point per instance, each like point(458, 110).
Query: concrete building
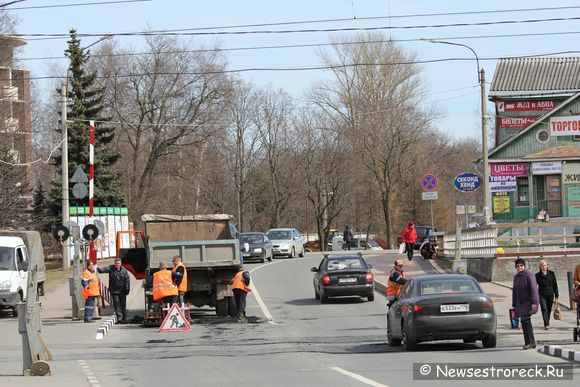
point(15, 116)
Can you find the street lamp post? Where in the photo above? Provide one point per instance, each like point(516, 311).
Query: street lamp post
point(484, 146)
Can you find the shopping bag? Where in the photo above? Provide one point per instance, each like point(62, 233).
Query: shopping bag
point(557, 312)
point(514, 321)
point(402, 248)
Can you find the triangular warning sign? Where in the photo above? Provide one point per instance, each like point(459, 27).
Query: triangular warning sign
point(175, 321)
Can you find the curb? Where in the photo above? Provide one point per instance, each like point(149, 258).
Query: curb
point(104, 328)
point(557, 351)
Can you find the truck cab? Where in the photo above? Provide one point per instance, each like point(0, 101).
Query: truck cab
point(14, 261)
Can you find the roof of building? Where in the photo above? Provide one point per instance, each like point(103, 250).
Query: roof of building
point(556, 153)
point(515, 77)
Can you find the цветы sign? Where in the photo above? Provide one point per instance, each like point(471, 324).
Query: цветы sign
point(511, 169)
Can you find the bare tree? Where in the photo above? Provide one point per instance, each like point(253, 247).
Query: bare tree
point(242, 146)
point(274, 124)
point(164, 102)
point(377, 94)
point(324, 166)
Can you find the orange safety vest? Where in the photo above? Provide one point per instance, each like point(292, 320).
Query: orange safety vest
point(94, 290)
point(238, 282)
point(163, 285)
point(183, 284)
point(393, 288)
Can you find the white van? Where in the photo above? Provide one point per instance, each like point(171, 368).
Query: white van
point(14, 264)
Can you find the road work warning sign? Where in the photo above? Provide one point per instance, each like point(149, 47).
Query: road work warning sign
point(175, 321)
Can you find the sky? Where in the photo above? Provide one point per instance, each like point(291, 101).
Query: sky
point(450, 72)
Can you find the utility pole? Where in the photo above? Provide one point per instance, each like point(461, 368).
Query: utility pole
point(484, 136)
point(64, 168)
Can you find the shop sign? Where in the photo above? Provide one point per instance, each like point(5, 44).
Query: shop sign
point(547, 168)
point(467, 182)
point(516, 122)
point(565, 126)
point(571, 173)
point(525, 106)
point(574, 201)
point(503, 183)
point(501, 204)
point(512, 169)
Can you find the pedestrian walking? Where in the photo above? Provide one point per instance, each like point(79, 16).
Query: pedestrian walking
point(347, 238)
point(525, 300)
point(91, 290)
point(409, 237)
point(241, 287)
point(395, 282)
point(181, 281)
point(548, 291)
point(119, 287)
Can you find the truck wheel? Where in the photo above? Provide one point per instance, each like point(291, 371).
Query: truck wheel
point(221, 307)
point(232, 307)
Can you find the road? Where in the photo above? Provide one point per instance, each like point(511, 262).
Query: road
point(341, 343)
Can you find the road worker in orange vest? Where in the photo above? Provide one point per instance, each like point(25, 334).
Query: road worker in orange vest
point(164, 288)
point(91, 290)
point(395, 282)
point(241, 287)
point(182, 283)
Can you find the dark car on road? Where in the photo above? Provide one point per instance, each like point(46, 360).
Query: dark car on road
point(441, 307)
point(343, 275)
point(260, 247)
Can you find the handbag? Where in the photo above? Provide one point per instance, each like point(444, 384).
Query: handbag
point(557, 312)
point(402, 248)
point(514, 321)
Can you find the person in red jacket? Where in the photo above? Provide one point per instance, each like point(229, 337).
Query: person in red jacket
point(409, 237)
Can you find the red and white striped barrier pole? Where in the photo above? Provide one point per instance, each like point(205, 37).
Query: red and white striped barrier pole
point(92, 251)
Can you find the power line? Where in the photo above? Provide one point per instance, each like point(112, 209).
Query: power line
point(74, 4)
point(286, 46)
point(189, 31)
point(302, 68)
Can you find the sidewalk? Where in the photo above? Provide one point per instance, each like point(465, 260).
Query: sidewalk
point(550, 342)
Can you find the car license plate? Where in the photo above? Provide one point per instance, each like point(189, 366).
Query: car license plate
point(347, 280)
point(454, 308)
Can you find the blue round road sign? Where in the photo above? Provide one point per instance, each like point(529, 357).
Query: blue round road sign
point(429, 183)
point(467, 182)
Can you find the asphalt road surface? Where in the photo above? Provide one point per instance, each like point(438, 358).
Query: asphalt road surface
point(290, 340)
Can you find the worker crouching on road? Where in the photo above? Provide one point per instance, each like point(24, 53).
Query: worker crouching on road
point(395, 282)
point(164, 289)
point(180, 283)
point(119, 287)
point(241, 287)
point(91, 291)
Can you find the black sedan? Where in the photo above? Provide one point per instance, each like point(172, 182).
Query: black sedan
point(260, 247)
point(343, 275)
point(441, 307)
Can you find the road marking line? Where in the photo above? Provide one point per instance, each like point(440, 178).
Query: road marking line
point(358, 377)
point(259, 299)
point(91, 378)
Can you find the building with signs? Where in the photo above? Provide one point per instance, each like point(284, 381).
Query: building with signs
point(535, 164)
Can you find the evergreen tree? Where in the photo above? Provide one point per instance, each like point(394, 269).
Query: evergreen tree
point(38, 212)
point(86, 103)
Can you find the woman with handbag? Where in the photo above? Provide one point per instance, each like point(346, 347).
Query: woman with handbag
point(525, 300)
point(548, 289)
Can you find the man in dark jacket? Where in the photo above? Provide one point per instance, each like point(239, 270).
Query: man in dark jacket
point(548, 289)
point(347, 238)
point(525, 300)
point(119, 286)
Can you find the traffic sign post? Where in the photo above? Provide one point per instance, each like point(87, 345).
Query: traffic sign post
point(431, 195)
point(429, 183)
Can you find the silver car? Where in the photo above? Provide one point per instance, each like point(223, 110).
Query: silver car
point(286, 242)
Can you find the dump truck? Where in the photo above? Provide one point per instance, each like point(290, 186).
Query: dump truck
point(209, 249)
point(17, 250)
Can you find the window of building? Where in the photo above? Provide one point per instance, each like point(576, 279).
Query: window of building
point(523, 192)
point(543, 136)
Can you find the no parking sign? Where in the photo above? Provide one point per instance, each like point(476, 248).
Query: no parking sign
point(429, 183)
